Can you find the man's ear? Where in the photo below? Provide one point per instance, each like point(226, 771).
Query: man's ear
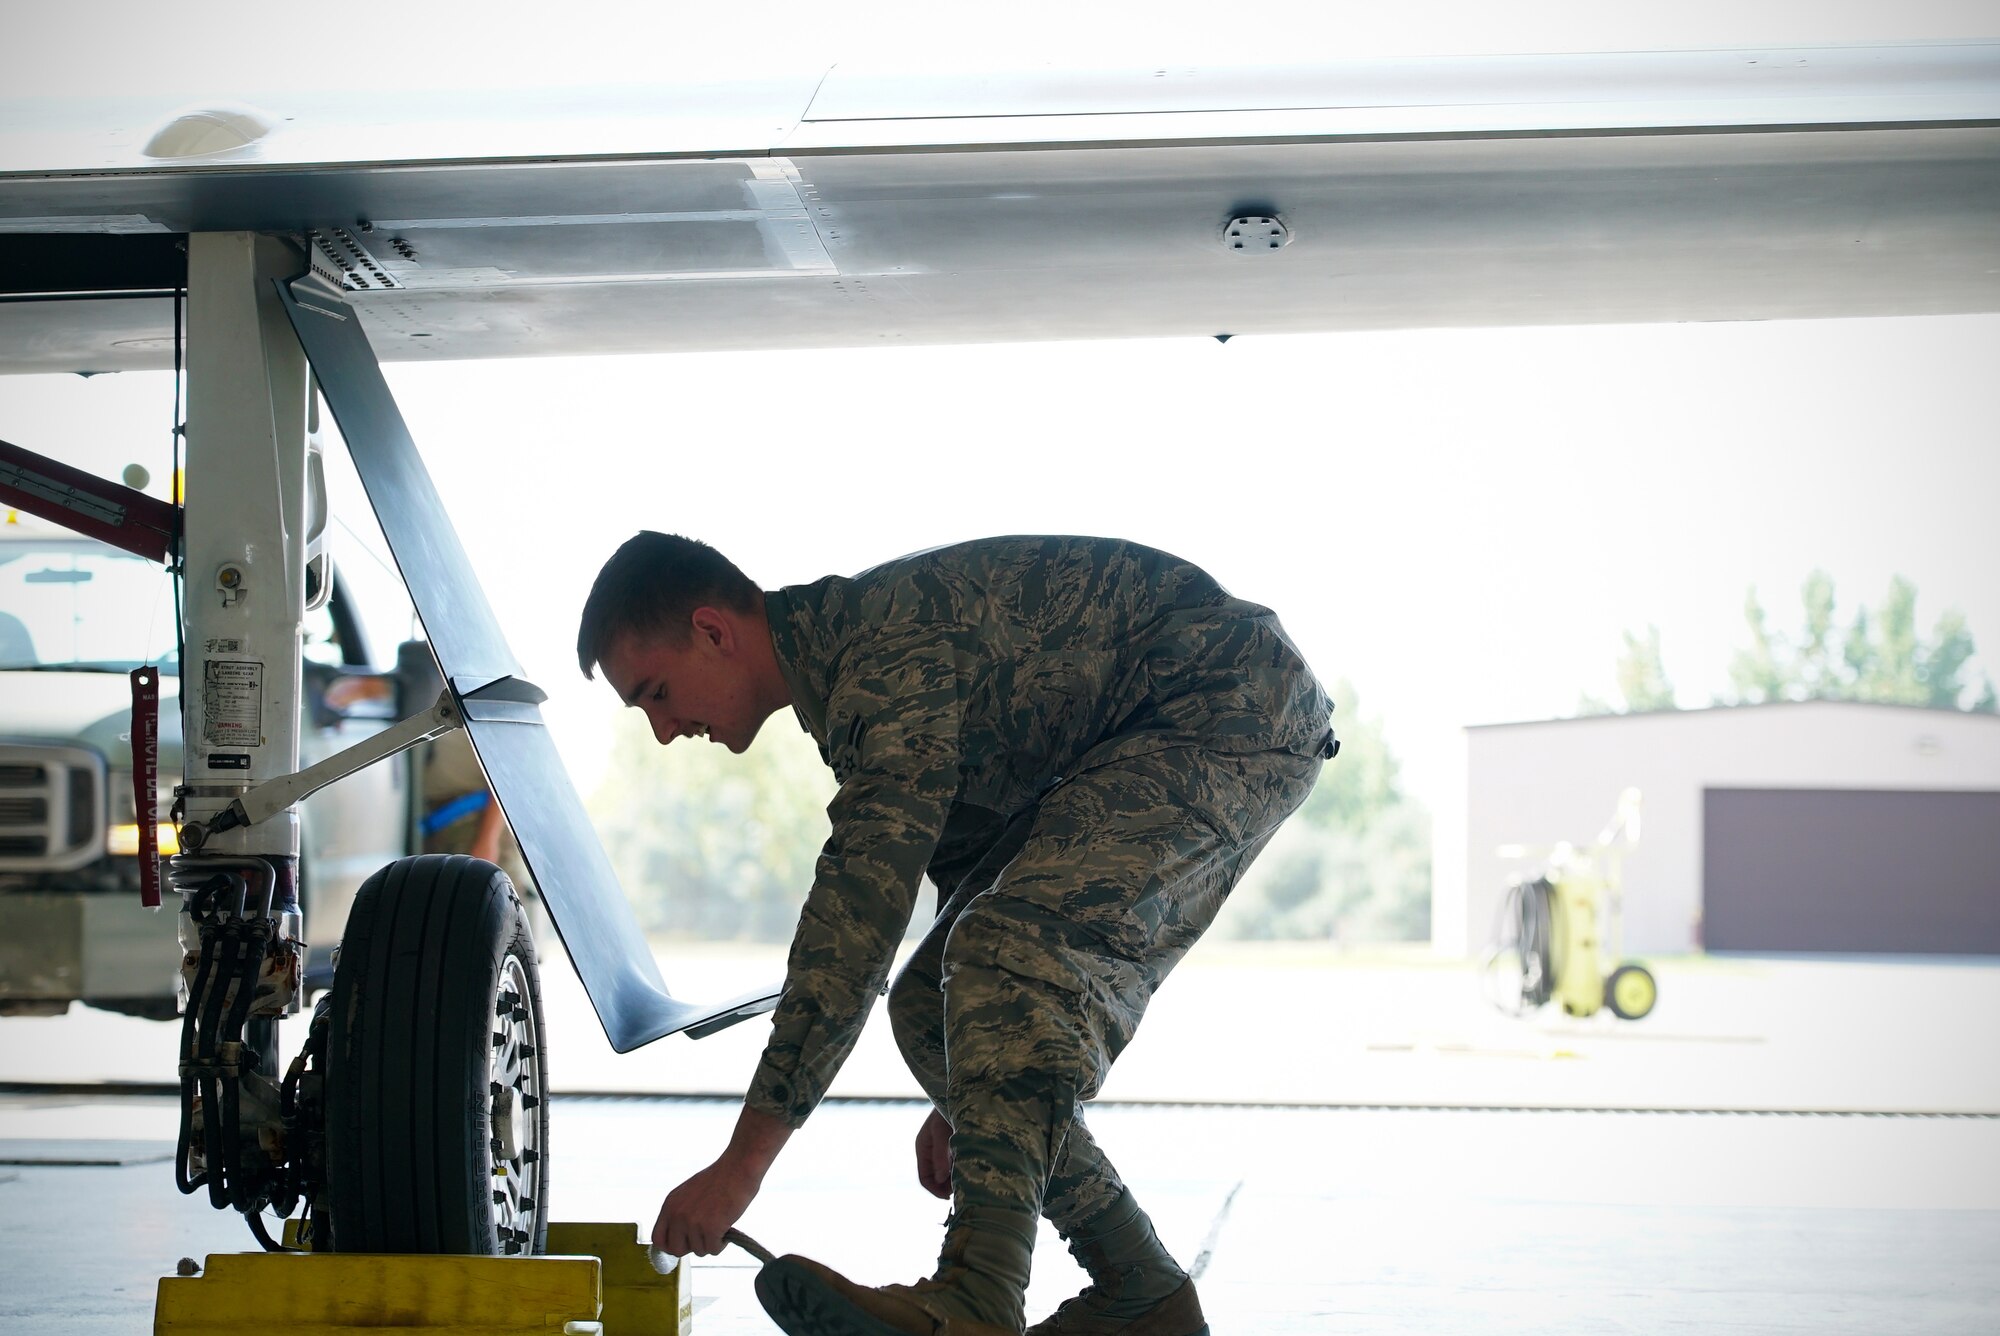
point(713, 628)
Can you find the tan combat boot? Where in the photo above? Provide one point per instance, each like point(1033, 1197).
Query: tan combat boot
point(981, 1274)
point(1136, 1288)
point(1179, 1314)
point(807, 1299)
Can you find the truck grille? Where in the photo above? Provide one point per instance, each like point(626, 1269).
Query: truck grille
point(18, 811)
point(51, 807)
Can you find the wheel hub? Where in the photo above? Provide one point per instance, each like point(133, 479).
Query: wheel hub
point(515, 1091)
point(506, 1124)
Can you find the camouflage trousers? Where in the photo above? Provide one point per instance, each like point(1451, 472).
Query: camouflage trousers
point(1054, 928)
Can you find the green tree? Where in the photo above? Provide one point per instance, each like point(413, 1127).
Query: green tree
point(1879, 656)
point(1642, 679)
point(1818, 670)
point(1364, 779)
point(1758, 672)
point(709, 845)
point(1354, 863)
point(1883, 656)
point(712, 846)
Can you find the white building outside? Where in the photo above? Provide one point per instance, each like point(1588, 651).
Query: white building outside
point(1539, 783)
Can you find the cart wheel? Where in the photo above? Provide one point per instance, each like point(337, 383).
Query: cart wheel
point(437, 1123)
point(1630, 992)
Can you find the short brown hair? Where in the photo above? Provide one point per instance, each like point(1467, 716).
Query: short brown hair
point(654, 582)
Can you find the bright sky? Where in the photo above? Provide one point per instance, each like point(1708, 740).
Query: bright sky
point(1461, 522)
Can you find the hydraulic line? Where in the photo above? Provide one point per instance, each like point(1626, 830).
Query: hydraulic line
point(219, 1006)
point(251, 936)
point(302, 1132)
point(203, 972)
point(211, 1004)
point(257, 1227)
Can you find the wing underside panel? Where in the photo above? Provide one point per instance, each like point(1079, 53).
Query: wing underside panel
point(1556, 190)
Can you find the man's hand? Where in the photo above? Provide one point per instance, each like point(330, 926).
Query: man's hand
point(934, 1155)
point(699, 1212)
point(696, 1215)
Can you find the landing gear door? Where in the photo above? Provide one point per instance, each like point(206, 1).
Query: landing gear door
point(589, 908)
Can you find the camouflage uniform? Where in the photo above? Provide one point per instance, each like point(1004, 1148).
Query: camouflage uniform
point(1083, 742)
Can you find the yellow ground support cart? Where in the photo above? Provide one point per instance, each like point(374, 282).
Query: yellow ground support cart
point(1560, 929)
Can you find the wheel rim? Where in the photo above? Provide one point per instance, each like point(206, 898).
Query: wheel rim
point(1634, 992)
point(514, 1075)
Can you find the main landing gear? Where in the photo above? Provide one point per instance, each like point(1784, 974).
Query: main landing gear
point(415, 1118)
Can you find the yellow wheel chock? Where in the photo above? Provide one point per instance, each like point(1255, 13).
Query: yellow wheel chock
point(597, 1280)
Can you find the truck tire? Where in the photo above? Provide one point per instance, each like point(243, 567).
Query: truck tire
point(436, 1110)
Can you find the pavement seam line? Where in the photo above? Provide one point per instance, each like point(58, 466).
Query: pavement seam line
point(1207, 1253)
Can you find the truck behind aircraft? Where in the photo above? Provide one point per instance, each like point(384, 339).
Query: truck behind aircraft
point(76, 616)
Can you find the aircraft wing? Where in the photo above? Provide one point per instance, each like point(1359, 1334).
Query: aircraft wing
point(848, 207)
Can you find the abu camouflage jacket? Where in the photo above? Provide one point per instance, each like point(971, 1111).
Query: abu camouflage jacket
point(985, 674)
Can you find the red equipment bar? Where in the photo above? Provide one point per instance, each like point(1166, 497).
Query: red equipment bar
point(94, 507)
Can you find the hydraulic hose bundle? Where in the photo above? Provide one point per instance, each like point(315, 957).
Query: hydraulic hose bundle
point(242, 914)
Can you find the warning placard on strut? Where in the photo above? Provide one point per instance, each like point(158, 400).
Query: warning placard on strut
point(232, 702)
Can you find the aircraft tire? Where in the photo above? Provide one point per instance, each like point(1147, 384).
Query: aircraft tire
point(436, 1107)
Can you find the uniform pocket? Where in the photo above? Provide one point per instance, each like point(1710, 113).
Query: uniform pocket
point(984, 939)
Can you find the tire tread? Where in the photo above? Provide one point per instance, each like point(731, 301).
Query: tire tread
point(407, 1160)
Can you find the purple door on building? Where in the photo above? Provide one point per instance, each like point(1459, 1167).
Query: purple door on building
point(1851, 870)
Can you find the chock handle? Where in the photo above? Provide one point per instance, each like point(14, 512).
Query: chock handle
point(665, 1262)
point(749, 1245)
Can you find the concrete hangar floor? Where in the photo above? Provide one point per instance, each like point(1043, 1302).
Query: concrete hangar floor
point(1785, 1146)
